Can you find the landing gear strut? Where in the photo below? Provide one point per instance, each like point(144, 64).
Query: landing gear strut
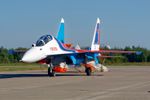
point(51, 72)
point(88, 71)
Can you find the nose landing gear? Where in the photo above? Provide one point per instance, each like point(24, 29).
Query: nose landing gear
point(51, 72)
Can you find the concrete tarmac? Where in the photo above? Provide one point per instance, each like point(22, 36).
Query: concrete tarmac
point(131, 83)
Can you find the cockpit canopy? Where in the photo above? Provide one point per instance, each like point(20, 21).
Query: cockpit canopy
point(43, 40)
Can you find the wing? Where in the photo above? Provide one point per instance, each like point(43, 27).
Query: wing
point(106, 51)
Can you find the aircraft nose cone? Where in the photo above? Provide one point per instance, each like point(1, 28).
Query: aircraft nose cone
point(28, 57)
point(33, 55)
point(25, 58)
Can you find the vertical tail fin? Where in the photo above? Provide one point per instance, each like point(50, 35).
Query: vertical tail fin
point(60, 34)
point(96, 38)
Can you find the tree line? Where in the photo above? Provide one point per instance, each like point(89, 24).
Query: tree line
point(11, 55)
point(142, 55)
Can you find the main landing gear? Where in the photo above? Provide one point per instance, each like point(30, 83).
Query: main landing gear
point(88, 71)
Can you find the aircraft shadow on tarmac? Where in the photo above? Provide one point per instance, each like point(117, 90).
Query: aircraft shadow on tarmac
point(3, 76)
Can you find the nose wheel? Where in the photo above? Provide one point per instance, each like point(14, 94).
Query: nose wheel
point(51, 72)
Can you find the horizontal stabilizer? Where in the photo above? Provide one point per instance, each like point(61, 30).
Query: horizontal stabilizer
point(77, 47)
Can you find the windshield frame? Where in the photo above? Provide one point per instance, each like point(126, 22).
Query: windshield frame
point(43, 40)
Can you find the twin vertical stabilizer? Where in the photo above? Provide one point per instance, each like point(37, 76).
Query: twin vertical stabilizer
point(60, 34)
point(96, 38)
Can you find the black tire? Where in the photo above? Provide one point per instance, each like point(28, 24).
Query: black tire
point(88, 71)
point(51, 73)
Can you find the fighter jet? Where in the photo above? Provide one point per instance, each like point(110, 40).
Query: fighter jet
point(57, 55)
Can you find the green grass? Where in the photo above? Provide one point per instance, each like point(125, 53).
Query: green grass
point(19, 64)
point(130, 64)
point(34, 66)
point(20, 67)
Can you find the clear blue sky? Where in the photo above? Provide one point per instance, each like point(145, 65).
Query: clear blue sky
point(124, 22)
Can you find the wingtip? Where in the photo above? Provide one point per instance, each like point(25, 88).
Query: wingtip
point(98, 20)
point(62, 20)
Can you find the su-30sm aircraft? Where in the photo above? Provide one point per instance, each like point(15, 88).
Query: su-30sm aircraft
point(58, 55)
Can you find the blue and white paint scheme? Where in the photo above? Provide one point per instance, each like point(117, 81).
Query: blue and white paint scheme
point(96, 38)
point(60, 35)
point(52, 51)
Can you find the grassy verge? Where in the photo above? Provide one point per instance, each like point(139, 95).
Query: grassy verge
point(19, 64)
point(34, 66)
point(20, 67)
point(135, 64)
